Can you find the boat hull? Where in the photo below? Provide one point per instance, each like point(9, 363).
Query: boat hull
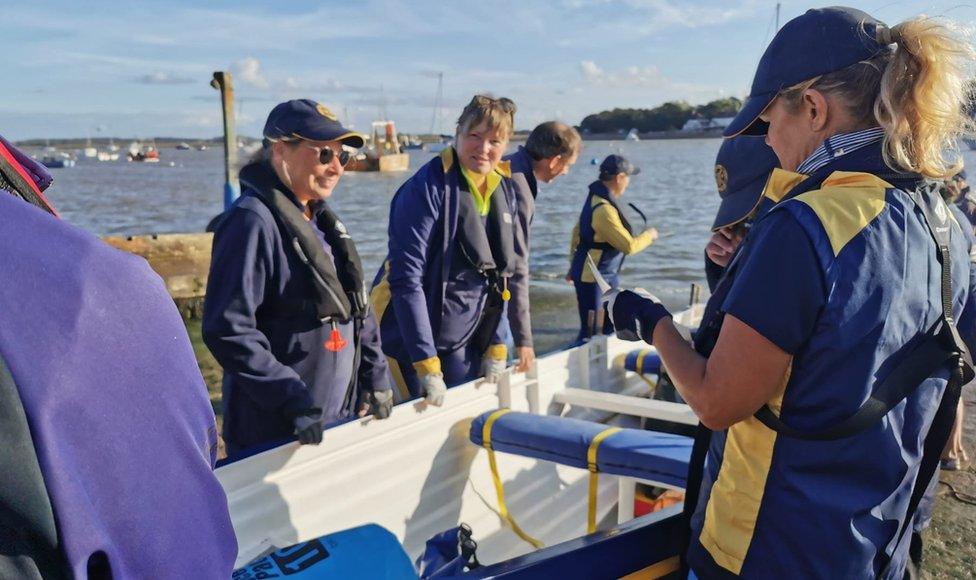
point(392, 162)
point(417, 474)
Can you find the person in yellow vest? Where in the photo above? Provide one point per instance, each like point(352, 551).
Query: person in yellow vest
point(603, 237)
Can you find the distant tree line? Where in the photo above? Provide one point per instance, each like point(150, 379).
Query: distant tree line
point(667, 117)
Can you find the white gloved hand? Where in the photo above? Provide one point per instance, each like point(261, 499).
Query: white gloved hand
point(434, 388)
point(493, 369)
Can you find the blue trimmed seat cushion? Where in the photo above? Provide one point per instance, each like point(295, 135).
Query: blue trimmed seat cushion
point(659, 457)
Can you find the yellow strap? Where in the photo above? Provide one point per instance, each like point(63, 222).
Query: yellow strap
point(499, 490)
point(594, 475)
point(640, 366)
point(656, 570)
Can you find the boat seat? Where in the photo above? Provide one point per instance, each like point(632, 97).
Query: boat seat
point(648, 455)
point(656, 457)
point(642, 362)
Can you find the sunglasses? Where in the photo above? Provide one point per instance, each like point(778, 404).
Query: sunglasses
point(506, 105)
point(327, 154)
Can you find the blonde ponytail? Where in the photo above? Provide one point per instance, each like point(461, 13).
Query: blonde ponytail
point(922, 99)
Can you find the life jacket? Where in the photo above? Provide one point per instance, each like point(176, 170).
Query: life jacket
point(340, 291)
point(487, 244)
point(940, 348)
point(611, 259)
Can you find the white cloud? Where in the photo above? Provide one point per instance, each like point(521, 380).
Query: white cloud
point(632, 76)
point(248, 71)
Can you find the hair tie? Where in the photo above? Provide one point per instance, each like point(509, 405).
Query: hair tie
point(887, 36)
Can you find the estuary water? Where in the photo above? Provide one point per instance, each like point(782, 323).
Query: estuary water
point(675, 190)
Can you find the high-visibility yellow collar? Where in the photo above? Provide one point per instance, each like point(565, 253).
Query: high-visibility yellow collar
point(482, 200)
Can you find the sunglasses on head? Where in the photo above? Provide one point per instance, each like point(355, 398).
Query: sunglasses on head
point(506, 105)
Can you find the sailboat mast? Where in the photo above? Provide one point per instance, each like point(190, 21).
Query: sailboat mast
point(777, 16)
point(437, 102)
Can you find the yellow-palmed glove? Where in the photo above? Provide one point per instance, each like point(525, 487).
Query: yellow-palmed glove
point(431, 380)
point(496, 360)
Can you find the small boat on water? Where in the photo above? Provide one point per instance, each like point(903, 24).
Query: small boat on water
point(442, 473)
point(143, 153)
point(383, 152)
point(183, 147)
point(108, 156)
point(201, 147)
point(632, 135)
point(58, 160)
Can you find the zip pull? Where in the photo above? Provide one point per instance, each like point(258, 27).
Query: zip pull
point(335, 342)
point(506, 295)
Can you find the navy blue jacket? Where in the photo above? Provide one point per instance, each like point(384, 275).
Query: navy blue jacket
point(275, 363)
point(421, 307)
point(526, 190)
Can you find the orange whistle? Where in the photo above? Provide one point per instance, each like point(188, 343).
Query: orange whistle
point(335, 342)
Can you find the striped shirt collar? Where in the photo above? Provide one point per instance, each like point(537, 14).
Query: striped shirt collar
point(838, 145)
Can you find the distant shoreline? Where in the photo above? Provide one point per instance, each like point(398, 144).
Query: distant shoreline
point(655, 135)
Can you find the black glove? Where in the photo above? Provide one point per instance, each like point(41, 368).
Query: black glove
point(308, 427)
point(634, 314)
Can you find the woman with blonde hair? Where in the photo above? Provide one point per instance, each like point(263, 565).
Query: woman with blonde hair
point(829, 361)
point(443, 288)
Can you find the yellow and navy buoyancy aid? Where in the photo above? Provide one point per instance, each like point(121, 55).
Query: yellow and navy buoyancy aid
point(610, 259)
point(436, 233)
point(786, 490)
point(486, 244)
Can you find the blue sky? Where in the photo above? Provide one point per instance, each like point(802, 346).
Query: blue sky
point(134, 69)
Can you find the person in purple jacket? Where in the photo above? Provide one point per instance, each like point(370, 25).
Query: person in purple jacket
point(443, 290)
point(109, 439)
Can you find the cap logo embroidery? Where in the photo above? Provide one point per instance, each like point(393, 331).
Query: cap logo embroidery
point(325, 112)
point(721, 178)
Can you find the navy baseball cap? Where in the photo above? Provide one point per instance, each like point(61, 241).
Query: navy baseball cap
point(615, 164)
point(742, 169)
point(308, 120)
point(821, 41)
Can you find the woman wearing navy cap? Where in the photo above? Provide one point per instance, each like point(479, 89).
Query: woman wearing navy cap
point(601, 239)
point(749, 181)
point(286, 314)
point(829, 360)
